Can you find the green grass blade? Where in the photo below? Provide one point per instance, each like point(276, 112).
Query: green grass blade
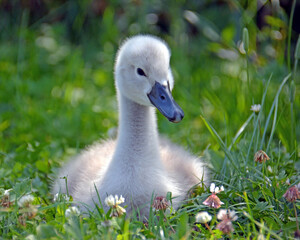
point(261, 225)
point(273, 125)
point(241, 130)
point(258, 117)
point(290, 35)
point(272, 109)
point(220, 141)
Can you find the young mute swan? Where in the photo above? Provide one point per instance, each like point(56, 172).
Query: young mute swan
point(138, 164)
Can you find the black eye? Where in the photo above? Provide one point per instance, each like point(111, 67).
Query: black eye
point(141, 72)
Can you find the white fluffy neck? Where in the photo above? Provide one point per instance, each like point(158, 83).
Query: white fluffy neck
point(137, 143)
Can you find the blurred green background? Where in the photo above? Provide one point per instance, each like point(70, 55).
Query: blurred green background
point(56, 74)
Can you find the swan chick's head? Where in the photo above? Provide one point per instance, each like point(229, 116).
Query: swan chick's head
point(143, 75)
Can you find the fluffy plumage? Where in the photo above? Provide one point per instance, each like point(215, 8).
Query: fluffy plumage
point(138, 163)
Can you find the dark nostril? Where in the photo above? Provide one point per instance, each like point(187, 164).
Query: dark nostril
point(162, 97)
point(177, 117)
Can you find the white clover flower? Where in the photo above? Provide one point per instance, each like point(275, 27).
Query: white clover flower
point(66, 197)
point(260, 156)
point(110, 201)
point(61, 196)
point(227, 214)
point(160, 203)
point(119, 211)
point(213, 200)
point(6, 192)
point(119, 200)
point(203, 217)
point(232, 215)
point(55, 197)
point(113, 203)
point(214, 189)
point(255, 108)
point(222, 214)
point(6, 199)
point(25, 200)
point(292, 194)
point(72, 211)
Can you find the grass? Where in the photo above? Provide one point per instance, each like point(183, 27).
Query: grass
point(57, 96)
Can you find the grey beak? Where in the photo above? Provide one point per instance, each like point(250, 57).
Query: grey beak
point(161, 97)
